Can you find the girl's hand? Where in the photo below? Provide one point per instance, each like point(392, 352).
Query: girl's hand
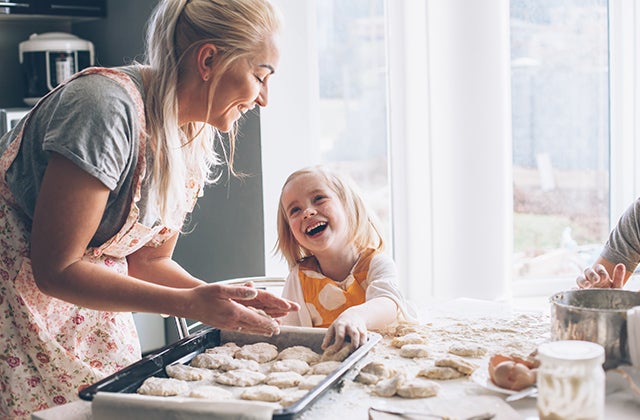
point(597, 277)
point(350, 324)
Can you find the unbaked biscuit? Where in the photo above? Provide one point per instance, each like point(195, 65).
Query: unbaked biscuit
point(163, 387)
point(324, 368)
point(440, 373)
point(290, 398)
point(414, 351)
point(260, 352)
point(283, 379)
point(229, 349)
point(234, 364)
point(458, 364)
point(267, 393)
point(210, 360)
point(417, 388)
point(310, 381)
point(187, 373)
point(290, 365)
point(467, 350)
point(388, 387)
point(240, 377)
point(299, 353)
point(411, 338)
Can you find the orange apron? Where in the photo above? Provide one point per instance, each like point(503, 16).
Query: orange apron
point(51, 349)
point(325, 298)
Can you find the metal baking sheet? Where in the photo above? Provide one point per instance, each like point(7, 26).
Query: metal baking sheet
point(129, 379)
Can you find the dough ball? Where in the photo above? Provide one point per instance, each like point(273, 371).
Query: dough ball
point(267, 393)
point(163, 387)
point(259, 352)
point(288, 365)
point(283, 379)
point(413, 351)
point(299, 353)
point(418, 388)
point(187, 373)
point(411, 338)
point(240, 377)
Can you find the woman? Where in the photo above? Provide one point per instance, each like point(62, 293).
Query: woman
point(96, 183)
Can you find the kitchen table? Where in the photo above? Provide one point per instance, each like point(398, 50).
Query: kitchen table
point(496, 327)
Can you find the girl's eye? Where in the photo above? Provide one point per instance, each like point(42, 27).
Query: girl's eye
point(318, 198)
point(294, 210)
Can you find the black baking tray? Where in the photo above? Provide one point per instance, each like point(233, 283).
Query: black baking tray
point(129, 379)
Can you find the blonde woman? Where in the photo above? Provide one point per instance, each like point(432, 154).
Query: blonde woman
point(339, 274)
point(96, 182)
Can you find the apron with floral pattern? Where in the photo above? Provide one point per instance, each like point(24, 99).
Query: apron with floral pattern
point(51, 349)
point(325, 298)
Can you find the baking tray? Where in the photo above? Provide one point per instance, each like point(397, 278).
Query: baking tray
point(129, 379)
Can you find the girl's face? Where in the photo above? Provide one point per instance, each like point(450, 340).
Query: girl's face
point(316, 216)
point(241, 87)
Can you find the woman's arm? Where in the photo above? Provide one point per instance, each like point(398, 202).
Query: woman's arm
point(68, 211)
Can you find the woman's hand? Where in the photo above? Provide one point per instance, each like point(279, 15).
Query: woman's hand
point(597, 277)
point(350, 324)
point(230, 308)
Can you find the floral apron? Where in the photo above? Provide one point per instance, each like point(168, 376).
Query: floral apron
point(51, 349)
point(325, 298)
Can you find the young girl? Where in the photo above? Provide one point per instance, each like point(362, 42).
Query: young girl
point(338, 272)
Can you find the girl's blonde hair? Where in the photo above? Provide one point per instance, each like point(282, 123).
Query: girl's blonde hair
point(239, 29)
point(363, 226)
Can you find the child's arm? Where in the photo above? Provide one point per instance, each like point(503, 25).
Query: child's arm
point(355, 321)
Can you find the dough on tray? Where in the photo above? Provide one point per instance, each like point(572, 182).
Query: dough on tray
point(163, 387)
point(187, 373)
point(310, 381)
point(210, 360)
point(229, 349)
point(245, 364)
point(267, 393)
point(283, 379)
point(240, 377)
point(458, 364)
point(324, 368)
point(290, 398)
point(259, 352)
point(290, 365)
point(211, 392)
point(299, 353)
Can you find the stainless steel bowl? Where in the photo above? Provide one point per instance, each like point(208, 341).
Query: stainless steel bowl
point(597, 315)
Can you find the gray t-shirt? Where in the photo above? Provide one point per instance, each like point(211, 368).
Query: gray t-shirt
point(623, 245)
point(91, 121)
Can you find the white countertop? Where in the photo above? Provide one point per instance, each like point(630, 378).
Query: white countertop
point(495, 326)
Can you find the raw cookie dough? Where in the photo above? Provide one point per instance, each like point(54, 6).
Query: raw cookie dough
point(283, 379)
point(310, 381)
point(338, 354)
point(240, 377)
point(440, 373)
point(411, 338)
point(388, 387)
point(324, 368)
point(267, 393)
point(259, 352)
point(210, 360)
point(163, 387)
point(299, 353)
point(235, 364)
point(229, 349)
point(468, 350)
point(458, 364)
point(290, 398)
point(288, 365)
point(418, 388)
point(373, 372)
point(187, 373)
point(211, 392)
point(413, 351)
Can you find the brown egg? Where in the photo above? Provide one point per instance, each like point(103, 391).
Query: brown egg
point(512, 375)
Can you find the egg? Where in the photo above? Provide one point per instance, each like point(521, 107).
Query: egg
point(513, 375)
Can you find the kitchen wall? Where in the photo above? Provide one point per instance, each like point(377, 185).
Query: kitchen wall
point(225, 237)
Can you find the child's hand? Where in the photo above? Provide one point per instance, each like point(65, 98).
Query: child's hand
point(597, 277)
point(349, 323)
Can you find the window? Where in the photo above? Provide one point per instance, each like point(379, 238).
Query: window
point(560, 126)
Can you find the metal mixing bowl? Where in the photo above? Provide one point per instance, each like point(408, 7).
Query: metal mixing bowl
point(597, 315)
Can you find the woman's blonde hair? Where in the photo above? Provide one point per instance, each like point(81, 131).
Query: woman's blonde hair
point(239, 29)
point(363, 225)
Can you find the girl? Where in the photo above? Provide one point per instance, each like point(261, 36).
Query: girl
point(338, 272)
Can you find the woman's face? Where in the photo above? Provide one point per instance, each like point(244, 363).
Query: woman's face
point(241, 87)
